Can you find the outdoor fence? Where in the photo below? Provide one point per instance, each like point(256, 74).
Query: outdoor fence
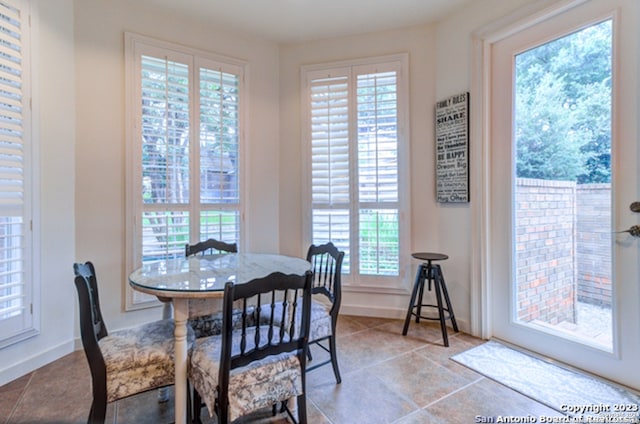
point(563, 248)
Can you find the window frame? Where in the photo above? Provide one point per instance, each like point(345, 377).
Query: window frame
point(135, 46)
point(353, 281)
point(30, 323)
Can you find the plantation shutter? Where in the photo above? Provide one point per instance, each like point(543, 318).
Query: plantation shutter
point(330, 183)
point(219, 154)
point(377, 123)
point(15, 236)
point(357, 141)
point(185, 134)
point(165, 125)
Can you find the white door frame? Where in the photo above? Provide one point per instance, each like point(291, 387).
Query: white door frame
point(624, 125)
point(480, 95)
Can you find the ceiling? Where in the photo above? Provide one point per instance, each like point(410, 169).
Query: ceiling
point(291, 21)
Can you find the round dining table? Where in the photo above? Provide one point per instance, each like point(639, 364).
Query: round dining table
point(203, 276)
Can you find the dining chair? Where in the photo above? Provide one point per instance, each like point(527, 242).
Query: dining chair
point(205, 314)
point(326, 264)
point(250, 367)
point(210, 246)
point(125, 362)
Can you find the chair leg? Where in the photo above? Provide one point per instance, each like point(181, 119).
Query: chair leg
point(197, 407)
point(99, 404)
point(98, 411)
point(302, 409)
point(334, 357)
point(223, 413)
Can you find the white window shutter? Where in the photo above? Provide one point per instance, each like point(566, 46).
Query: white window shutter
point(330, 162)
point(15, 287)
point(379, 227)
point(165, 157)
point(219, 153)
point(184, 165)
point(330, 141)
point(354, 115)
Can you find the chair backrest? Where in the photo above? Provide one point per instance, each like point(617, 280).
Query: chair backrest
point(92, 326)
point(251, 340)
point(211, 245)
point(326, 264)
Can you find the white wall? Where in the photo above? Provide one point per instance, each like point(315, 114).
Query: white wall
point(54, 122)
point(454, 60)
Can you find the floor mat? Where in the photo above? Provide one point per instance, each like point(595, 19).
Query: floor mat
point(564, 390)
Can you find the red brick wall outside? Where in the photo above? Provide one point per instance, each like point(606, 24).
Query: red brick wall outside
point(594, 243)
point(554, 269)
point(545, 246)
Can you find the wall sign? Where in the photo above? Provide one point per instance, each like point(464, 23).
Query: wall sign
point(452, 149)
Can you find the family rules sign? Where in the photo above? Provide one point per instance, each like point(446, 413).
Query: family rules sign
point(452, 149)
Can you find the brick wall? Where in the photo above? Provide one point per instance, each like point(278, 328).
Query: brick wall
point(594, 243)
point(545, 245)
point(563, 248)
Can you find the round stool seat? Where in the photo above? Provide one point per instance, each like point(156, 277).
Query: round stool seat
point(429, 256)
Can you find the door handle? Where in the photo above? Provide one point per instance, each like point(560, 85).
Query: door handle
point(634, 230)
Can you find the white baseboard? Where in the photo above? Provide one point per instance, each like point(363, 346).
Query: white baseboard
point(34, 362)
point(372, 311)
point(391, 313)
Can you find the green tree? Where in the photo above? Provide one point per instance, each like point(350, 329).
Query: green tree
point(563, 108)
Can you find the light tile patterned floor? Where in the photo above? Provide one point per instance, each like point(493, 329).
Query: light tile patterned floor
point(386, 378)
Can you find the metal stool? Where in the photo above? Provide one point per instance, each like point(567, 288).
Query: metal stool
point(432, 273)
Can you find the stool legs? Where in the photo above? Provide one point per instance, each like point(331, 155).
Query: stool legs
point(418, 286)
point(431, 273)
point(449, 308)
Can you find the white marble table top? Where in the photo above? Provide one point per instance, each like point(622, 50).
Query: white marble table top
point(205, 276)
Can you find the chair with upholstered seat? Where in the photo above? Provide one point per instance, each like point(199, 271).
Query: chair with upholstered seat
point(126, 362)
point(205, 314)
point(326, 264)
point(251, 367)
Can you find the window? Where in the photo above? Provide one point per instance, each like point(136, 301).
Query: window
point(185, 137)
point(16, 187)
point(357, 140)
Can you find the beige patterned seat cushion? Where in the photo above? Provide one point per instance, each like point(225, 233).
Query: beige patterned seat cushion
point(205, 316)
point(140, 358)
point(211, 324)
point(320, 325)
point(258, 385)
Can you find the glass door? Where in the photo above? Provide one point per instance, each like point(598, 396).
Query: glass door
point(564, 283)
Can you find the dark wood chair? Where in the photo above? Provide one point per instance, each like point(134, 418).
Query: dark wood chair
point(126, 362)
point(210, 246)
point(205, 315)
point(255, 365)
point(326, 264)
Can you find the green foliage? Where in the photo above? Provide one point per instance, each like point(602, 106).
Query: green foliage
point(563, 108)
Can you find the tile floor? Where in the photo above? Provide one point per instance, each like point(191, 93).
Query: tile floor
point(386, 378)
